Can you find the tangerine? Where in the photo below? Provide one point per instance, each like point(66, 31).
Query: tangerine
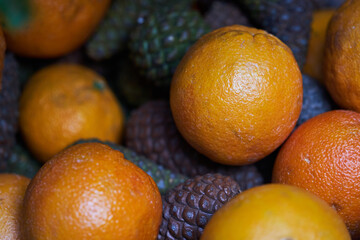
point(63, 103)
point(322, 156)
point(275, 211)
point(236, 95)
point(341, 59)
point(90, 191)
point(56, 27)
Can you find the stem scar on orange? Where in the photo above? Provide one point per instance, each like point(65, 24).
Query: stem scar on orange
point(237, 94)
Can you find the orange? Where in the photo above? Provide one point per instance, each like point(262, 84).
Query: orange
point(275, 211)
point(12, 191)
point(56, 27)
point(341, 59)
point(236, 95)
point(322, 156)
point(2, 53)
point(89, 191)
point(66, 102)
point(316, 47)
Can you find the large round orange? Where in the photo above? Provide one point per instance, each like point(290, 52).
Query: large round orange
point(2, 53)
point(323, 157)
point(275, 211)
point(315, 54)
point(341, 59)
point(56, 27)
point(236, 95)
point(64, 103)
point(12, 191)
point(89, 191)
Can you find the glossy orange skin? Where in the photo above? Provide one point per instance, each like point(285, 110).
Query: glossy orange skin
point(66, 102)
point(315, 55)
point(236, 95)
point(322, 156)
point(89, 191)
point(12, 191)
point(2, 53)
point(56, 28)
point(341, 59)
point(275, 211)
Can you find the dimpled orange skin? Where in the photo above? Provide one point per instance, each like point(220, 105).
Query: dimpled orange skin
point(89, 191)
point(275, 211)
point(66, 102)
point(12, 191)
point(322, 156)
point(341, 59)
point(56, 28)
point(236, 95)
point(315, 55)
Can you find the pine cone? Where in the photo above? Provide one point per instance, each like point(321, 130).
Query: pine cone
point(151, 131)
point(289, 20)
point(223, 14)
point(316, 100)
point(113, 32)
point(22, 163)
point(9, 97)
point(158, 44)
point(188, 207)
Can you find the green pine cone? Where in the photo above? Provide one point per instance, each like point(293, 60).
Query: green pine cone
point(20, 162)
point(113, 32)
point(164, 178)
point(159, 43)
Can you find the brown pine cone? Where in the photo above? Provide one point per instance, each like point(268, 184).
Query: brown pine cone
point(188, 207)
point(151, 131)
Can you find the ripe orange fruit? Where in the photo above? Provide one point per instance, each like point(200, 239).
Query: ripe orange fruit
point(315, 54)
point(63, 103)
point(275, 211)
point(56, 27)
point(2, 53)
point(90, 191)
point(236, 95)
point(322, 156)
point(341, 59)
point(12, 191)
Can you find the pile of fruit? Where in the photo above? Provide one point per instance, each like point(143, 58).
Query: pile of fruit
point(179, 119)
